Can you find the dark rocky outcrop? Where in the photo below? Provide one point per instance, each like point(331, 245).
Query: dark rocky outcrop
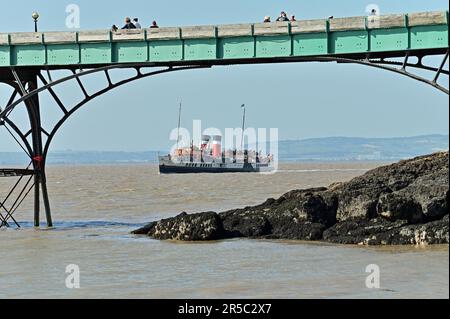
point(379, 231)
point(196, 227)
point(403, 203)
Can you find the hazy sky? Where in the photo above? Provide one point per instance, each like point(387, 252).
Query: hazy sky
point(303, 100)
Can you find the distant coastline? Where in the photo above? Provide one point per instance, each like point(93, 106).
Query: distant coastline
point(339, 149)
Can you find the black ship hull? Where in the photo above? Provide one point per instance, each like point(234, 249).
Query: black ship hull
point(178, 169)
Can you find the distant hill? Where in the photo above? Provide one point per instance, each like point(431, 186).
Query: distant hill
point(317, 149)
point(361, 149)
point(84, 157)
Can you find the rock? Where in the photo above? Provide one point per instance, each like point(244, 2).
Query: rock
point(423, 178)
point(359, 198)
point(394, 207)
point(435, 232)
point(362, 231)
point(240, 223)
point(431, 192)
point(300, 215)
point(293, 229)
point(309, 206)
point(402, 203)
point(196, 227)
point(382, 232)
point(144, 230)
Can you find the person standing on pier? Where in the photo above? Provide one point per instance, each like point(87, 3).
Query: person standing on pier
point(136, 23)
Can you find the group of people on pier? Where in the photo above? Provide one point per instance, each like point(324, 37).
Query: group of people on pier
point(283, 17)
point(133, 24)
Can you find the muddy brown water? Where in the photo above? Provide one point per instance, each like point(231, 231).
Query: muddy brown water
point(95, 208)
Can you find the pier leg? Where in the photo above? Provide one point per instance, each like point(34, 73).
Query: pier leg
point(34, 113)
point(46, 201)
point(36, 201)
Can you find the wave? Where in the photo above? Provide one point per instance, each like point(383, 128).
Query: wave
point(67, 225)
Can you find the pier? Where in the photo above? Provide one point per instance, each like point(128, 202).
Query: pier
point(27, 61)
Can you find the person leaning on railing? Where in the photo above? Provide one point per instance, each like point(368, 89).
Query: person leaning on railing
point(154, 25)
point(128, 24)
point(283, 17)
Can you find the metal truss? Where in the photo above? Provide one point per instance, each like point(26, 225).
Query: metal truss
point(402, 67)
point(26, 91)
point(23, 186)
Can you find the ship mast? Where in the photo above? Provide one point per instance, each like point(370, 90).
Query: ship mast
point(243, 128)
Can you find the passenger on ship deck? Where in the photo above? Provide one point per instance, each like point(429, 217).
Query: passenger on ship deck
point(114, 28)
point(154, 25)
point(283, 17)
point(374, 12)
point(266, 19)
point(136, 23)
point(293, 19)
point(128, 24)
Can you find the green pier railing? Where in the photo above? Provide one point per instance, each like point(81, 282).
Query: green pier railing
point(381, 35)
